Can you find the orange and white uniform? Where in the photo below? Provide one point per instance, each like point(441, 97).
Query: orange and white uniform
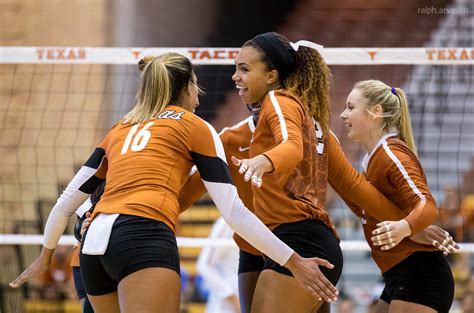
point(396, 171)
point(296, 189)
point(146, 166)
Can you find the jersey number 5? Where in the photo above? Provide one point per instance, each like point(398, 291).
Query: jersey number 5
point(140, 140)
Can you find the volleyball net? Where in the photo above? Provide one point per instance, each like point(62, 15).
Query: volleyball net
point(56, 103)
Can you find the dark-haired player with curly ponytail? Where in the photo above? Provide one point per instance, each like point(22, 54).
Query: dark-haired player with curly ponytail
point(288, 163)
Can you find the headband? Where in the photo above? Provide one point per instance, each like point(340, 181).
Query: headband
point(281, 56)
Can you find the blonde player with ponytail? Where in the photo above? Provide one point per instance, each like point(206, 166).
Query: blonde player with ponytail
point(418, 278)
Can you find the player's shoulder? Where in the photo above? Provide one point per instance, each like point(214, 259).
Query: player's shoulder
point(286, 96)
point(334, 138)
point(246, 125)
point(281, 98)
point(282, 104)
point(394, 152)
point(398, 147)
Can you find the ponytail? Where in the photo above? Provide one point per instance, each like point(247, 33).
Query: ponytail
point(404, 124)
point(310, 82)
point(395, 112)
point(161, 82)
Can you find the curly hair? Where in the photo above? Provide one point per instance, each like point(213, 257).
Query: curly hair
point(310, 82)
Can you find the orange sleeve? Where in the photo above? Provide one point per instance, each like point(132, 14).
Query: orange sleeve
point(194, 187)
point(355, 190)
point(191, 192)
point(404, 172)
point(284, 117)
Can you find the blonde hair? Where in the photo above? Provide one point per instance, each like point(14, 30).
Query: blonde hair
point(395, 112)
point(161, 81)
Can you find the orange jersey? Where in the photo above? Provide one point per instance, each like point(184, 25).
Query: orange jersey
point(354, 188)
point(396, 172)
point(147, 182)
point(146, 166)
point(236, 142)
point(296, 189)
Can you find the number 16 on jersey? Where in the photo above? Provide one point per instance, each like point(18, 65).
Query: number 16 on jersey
point(140, 140)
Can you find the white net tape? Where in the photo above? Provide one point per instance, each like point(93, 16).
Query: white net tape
point(226, 56)
point(346, 245)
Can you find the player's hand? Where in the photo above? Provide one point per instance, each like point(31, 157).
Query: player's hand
point(38, 267)
point(390, 233)
point(85, 224)
point(254, 168)
point(437, 237)
point(306, 271)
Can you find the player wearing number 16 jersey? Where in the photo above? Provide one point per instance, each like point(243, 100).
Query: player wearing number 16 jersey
point(129, 257)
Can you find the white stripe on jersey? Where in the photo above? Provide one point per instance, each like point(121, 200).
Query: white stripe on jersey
point(217, 142)
point(251, 123)
point(248, 120)
point(245, 121)
point(365, 161)
point(404, 172)
point(276, 106)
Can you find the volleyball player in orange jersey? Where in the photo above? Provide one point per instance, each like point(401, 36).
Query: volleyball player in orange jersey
point(129, 257)
point(417, 278)
point(292, 88)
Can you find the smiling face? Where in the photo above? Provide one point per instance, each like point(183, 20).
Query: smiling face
point(361, 126)
point(252, 77)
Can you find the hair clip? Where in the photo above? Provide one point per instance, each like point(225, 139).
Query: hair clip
point(394, 91)
point(306, 43)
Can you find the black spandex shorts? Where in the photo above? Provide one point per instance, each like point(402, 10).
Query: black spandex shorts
point(249, 262)
point(310, 238)
point(424, 278)
point(135, 243)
